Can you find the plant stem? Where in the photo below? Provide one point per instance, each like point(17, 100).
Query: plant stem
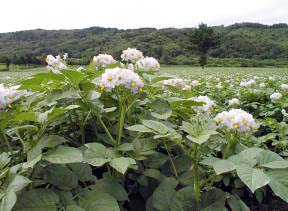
point(121, 121)
point(171, 161)
point(230, 144)
point(195, 175)
point(6, 140)
point(106, 130)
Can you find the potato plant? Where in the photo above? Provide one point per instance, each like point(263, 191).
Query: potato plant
point(123, 136)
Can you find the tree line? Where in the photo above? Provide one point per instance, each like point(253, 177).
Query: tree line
point(240, 44)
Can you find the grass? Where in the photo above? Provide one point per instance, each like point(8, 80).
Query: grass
point(11, 77)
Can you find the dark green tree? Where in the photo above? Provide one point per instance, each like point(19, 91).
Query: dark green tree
point(203, 39)
point(6, 60)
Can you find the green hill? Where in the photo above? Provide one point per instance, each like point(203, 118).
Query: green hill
point(245, 44)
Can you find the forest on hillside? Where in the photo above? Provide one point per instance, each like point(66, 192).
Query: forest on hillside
point(241, 44)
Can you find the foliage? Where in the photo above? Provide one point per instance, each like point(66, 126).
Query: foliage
point(71, 145)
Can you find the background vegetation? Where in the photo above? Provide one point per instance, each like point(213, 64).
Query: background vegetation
point(244, 45)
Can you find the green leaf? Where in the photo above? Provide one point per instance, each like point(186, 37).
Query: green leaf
point(280, 164)
point(200, 139)
point(25, 116)
point(82, 170)
point(93, 95)
point(96, 154)
point(161, 109)
point(252, 177)
point(98, 201)
point(156, 126)
point(223, 166)
point(184, 200)
point(8, 201)
point(155, 174)
point(163, 195)
point(74, 76)
point(18, 183)
point(236, 204)
point(74, 208)
point(213, 200)
point(63, 155)
point(267, 157)
point(61, 177)
point(279, 183)
point(247, 156)
point(112, 187)
point(122, 164)
point(177, 102)
point(37, 200)
point(62, 94)
point(140, 128)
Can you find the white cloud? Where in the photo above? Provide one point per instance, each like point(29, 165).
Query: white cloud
point(67, 14)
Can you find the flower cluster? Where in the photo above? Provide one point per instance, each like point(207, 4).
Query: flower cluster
point(195, 83)
point(103, 60)
point(148, 64)
point(262, 85)
point(56, 64)
point(247, 83)
point(117, 77)
point(275, 96)
point(131, 55)
point(284, 87)
point(236, 120)
point(233, 101)
point(8, 95)
point(177, 82)
point(207, 107)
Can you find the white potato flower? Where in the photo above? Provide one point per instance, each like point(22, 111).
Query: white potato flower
point(65, 56)
point(9, 95)
point(284, 113)
point(117, 77)
point(233, 101)
point(131, 55)
point(236, 120)
point(275, 96)
point(176, 82)
point(262, 85)
point(247, 83)
point(148, 64)
point(55, 64)
point(103, 60)
point(79, 69)
point(284, 87)
point(207, 107)
point(195, 83)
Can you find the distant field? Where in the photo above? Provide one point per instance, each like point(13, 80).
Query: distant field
point(177, 71)
point(194, 72)
point(12, 77)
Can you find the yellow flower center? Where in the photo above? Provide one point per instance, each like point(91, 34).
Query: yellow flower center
point(9, 106)
point(119, 78)
point(244, 121)
point(133, 84)
point(102, 88)
point(236, 126)
point(251, 126)
point(218, 121)
point(141, 89)
point(110, 78)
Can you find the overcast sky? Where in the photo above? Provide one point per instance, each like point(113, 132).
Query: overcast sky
point(18, 15)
